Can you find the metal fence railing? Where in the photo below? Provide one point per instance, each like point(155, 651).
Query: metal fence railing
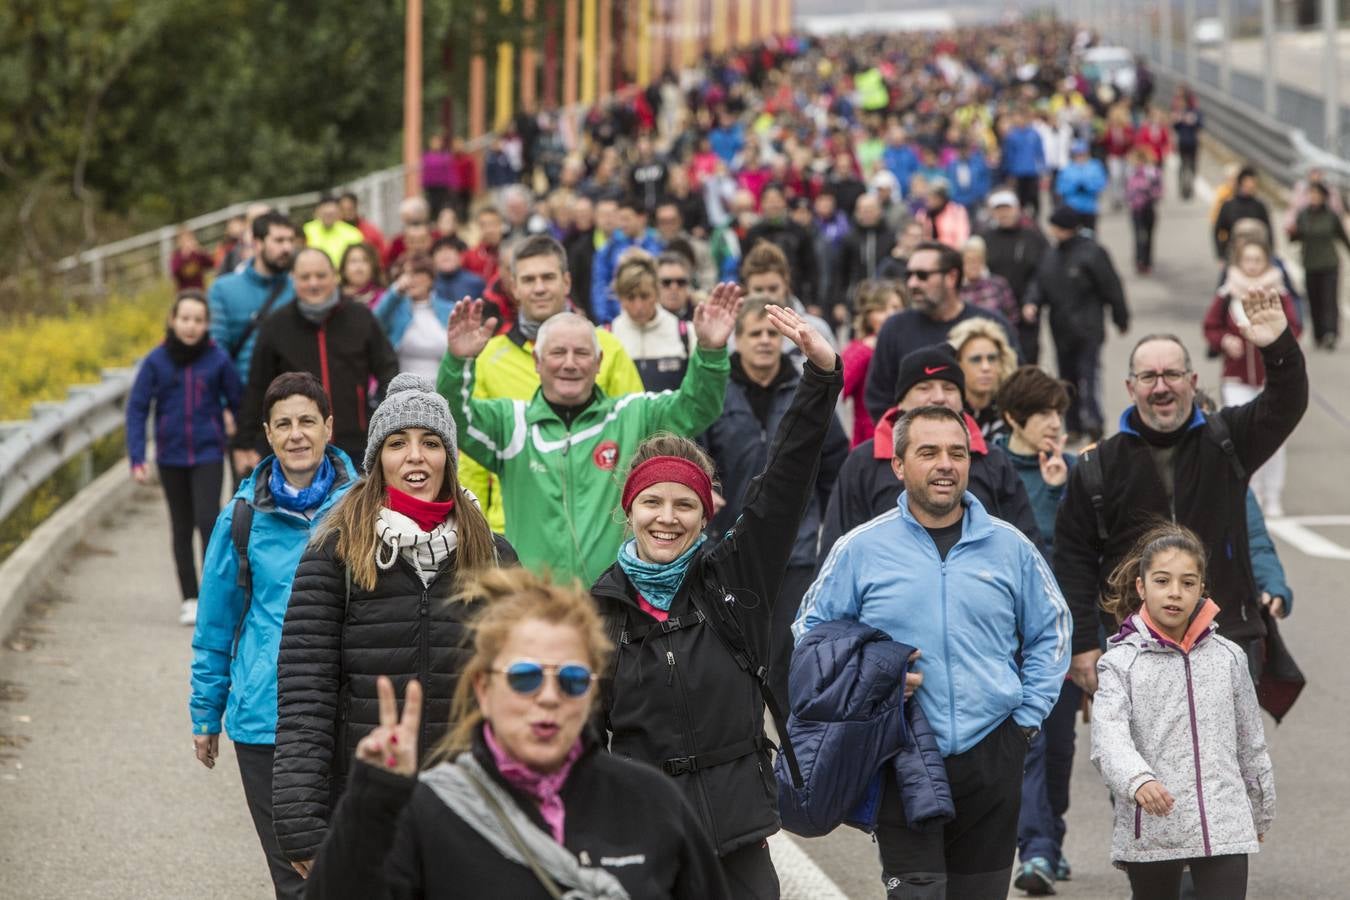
point(31, 451)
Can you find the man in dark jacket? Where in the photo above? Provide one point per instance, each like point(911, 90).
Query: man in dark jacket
point(866, 487)
point(1014, 247)
point(335, 339)
point(1077, 281)
point(759, 392)
point(863, 250)
point(1244, 204)
point(934, 273)
point(796, 242)
point(1166, 463)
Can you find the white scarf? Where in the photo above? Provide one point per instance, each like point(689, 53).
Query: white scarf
point(425, 551)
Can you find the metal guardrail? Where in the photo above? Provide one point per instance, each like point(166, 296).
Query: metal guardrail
point(30, 451)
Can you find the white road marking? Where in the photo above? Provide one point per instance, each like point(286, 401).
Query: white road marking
point(1295, 530)
point(798, 875)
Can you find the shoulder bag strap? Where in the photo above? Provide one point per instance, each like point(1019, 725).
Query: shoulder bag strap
point(549, 885)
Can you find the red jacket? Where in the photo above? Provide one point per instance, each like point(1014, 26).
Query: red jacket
point(1157, 138)
point(483, 261)
point(1247, 368)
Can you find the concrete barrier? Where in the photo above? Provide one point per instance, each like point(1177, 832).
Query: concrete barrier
point(24, 573)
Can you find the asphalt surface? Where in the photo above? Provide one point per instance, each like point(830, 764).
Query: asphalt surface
point(100, 795)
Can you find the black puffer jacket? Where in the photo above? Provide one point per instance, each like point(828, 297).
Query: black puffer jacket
point(395, 838)
point(678, 698)
point(326, 671)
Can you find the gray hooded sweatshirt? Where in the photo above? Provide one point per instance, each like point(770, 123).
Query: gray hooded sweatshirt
point(1189, 719)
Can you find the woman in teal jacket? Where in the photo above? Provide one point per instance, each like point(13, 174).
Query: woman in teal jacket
point(241, 607)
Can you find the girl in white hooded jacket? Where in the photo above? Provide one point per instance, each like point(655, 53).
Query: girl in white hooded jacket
point(1176, 730)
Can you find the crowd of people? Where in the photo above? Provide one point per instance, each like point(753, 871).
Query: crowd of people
point(530, 508)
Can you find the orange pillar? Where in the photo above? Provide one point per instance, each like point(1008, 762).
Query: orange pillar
point(744, 28)
point(720, 24)
point(412, 100)
point(571, 17)
point(529, 64)
point(604, 53)
point(656, 34)
point(478, 98)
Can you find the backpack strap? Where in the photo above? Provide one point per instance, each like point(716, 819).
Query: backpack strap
point(1090, 465)
point(1217, 430)
point(729, 632)
point(241, 525)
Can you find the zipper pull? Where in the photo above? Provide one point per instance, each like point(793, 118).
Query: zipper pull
point(670, 667)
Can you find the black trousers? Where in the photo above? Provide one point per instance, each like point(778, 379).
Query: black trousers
point(750, 873)
point(255, 768)
point(1029, 194)
point(1186, 174)
point(1215, 877)
point(796, 581)
point(1080, 365)
point(1322, 289)
point(193, 494)
point(1144, 220)
point(1029, 337)
point(971, 857)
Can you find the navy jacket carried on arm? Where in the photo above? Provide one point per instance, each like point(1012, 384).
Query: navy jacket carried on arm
point(849, 719)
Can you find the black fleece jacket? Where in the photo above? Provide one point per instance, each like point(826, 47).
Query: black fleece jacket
point(1208, 497)
point(395, 839)
point(677, 697)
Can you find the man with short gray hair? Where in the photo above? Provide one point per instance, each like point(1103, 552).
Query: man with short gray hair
point(556, 452)
point(505, 369)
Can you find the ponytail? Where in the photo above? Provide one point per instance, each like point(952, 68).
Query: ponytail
point(1122, 598)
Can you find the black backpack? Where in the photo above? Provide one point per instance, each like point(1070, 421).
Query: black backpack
point(1090, 464)
point(240, 526)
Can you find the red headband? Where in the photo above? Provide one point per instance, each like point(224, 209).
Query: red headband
point(668, 468)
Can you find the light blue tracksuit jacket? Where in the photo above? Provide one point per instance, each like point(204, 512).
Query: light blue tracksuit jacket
point(971, 615)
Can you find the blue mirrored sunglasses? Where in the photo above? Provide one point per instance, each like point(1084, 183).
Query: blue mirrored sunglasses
point(525, 677)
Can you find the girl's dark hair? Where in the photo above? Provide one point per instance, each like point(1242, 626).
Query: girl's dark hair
point(376, 270)
point(1122, 598)
point(190, 294)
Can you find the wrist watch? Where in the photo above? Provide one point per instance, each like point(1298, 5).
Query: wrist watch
point(1029, 733)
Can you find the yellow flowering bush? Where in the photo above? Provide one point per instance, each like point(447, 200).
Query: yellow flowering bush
point(44, 355)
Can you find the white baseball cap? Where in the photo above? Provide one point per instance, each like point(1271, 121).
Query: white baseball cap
point(1002, 198)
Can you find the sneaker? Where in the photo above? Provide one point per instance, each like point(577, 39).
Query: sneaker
point(1036, 877)
point(1063, 871)
point(187, 613)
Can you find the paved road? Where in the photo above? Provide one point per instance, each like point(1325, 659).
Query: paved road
point(100, 795)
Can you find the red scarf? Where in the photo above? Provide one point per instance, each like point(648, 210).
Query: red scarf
point(426, 513)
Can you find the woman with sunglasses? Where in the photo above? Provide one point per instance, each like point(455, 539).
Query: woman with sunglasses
point(522, 802)
point(693, 617)
point(370, 598)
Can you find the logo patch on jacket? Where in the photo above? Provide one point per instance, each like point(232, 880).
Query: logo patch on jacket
point(606, 455)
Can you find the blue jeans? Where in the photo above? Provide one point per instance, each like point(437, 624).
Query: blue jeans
point(1045, 781)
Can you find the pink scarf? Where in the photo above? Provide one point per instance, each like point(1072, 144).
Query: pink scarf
point(543, 789)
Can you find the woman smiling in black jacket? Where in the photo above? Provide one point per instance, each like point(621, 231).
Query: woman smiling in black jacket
point(369, 599)
point(684, 694)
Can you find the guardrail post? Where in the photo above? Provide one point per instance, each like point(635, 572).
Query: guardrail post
point(1226, 48)
point(1188, 37)
point(1268, 58)
point(1166, 46)
point(166, 235)
point(1331, 79)
point(96, 271)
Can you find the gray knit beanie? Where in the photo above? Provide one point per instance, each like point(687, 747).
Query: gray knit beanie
point(411, 402)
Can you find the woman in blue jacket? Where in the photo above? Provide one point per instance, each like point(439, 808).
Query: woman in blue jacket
point(190, 382)
point(246, 587)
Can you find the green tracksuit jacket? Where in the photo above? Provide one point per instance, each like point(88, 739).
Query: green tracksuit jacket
point(561, 485)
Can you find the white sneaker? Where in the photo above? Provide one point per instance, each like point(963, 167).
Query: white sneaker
point(187, 613)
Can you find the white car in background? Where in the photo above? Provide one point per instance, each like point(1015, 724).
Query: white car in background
point(1113, 65)
point(1208, 32)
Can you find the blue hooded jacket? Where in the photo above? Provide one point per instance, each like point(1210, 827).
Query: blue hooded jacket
point(233, 300)
point(604, 303)
point(1023, 153)
point(188, 403)
point(970, 180)
point(991, 602)
point(243, 689)
point(848, 721)
point(1080, 184)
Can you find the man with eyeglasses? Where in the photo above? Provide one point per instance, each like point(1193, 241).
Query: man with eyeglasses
point(1077, 282)
point(1168, 463)
point(933, 278)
